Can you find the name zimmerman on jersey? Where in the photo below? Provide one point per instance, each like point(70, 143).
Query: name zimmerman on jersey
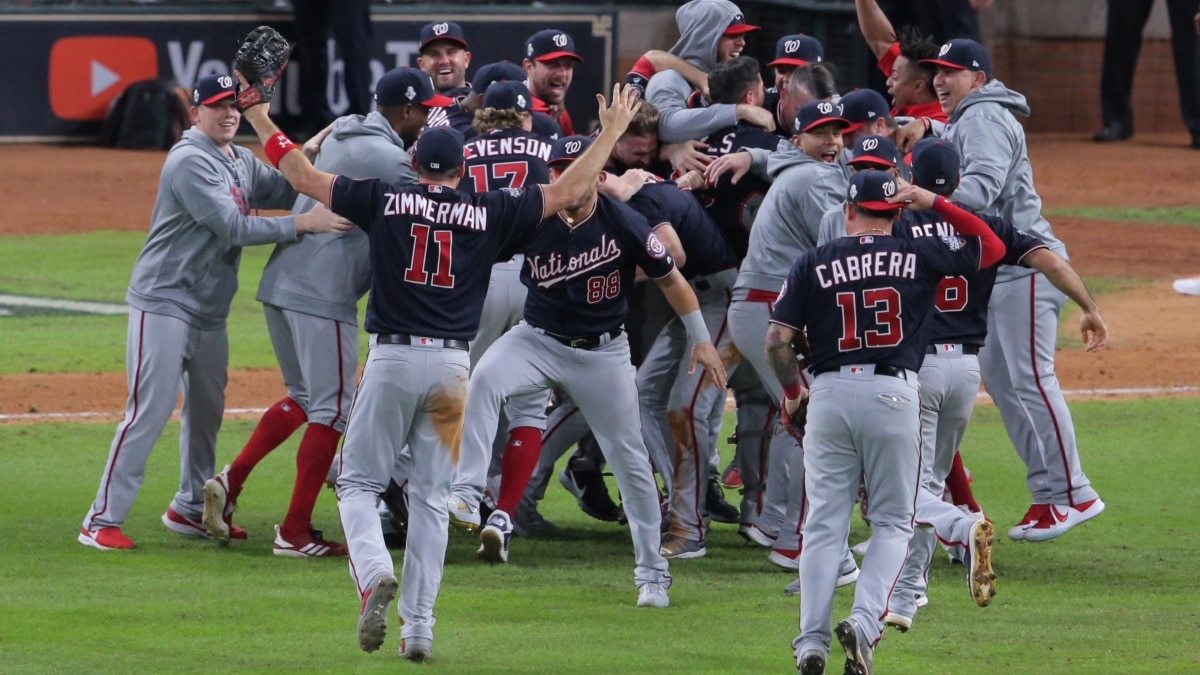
point(859, 267)
point(460, 214)
point(555, 268)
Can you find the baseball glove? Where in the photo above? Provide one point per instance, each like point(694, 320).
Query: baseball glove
point(260, 59)
point(794, 423)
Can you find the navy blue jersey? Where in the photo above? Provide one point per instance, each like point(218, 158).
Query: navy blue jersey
point(962, 301)
point(578, 276)
point(783, 128)
point(705, 246)
point(733, 207)
point(454, 116)
point(505, 158)
point(546, 127)
point(432, 250)
point(869, 299)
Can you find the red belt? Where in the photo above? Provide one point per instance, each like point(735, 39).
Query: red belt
point(756, 295)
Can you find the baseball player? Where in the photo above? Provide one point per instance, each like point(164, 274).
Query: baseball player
point(579, 264)
point(909, 82)
point(506, 154)
point(461, 113)
point(313, 322)
point(427, 288)
point(863, 305)
point(550, 60)
point(792, 52)
point(1017, 361)
point(183, 282)
point(444, 57)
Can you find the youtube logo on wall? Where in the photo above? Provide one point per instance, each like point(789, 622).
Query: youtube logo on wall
point(88, 72)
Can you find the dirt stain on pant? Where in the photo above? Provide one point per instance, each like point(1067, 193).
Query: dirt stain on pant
point(446, 412)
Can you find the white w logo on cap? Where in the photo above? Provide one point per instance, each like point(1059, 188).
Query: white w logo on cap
point(824, 107)
point(560, 40)
point(791, 46)
point(225, 81)
point(889, 189)
point(441, 28)
point(945, 48)
point(870, 143)
point(572, 147)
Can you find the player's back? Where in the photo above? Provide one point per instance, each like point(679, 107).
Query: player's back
point(707, 250)
point(734, 206)
point(505, 158)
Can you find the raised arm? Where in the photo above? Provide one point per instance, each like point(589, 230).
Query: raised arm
point(875, 27)
point(662, 60)
point(920, 199)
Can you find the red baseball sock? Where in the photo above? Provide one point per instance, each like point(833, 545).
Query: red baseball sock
point(517, 465)
point(276, 426)
point(960, 486)
point(316, 452)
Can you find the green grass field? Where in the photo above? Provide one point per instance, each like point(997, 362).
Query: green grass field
point(1171, 215)
point(1113, 596)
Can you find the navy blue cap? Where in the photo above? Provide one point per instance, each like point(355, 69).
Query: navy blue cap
point(569, 149)
point(797, 50)
point(209, 90)
point(963, 54)
point(440, 149)
point(545, 127)
point(442, 30)
point(816, 113)
point(509, 96)
point(871, 189)
point(404, 86)
point(550, 44)
point(496, 72)
point(935, 164)
point(863, 106)
point(875, 150)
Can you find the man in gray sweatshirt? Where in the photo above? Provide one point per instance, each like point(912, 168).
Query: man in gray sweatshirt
point(179, 297)
point(710, 31)
point(1017, 361)
point(310, 290)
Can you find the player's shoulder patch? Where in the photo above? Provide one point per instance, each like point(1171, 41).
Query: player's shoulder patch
point(952, 242)
point(513, 192)
point(655, 247)
point(782, 291)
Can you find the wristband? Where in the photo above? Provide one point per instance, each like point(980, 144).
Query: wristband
point(276, 147)
point(696, 330)
point(792, 391)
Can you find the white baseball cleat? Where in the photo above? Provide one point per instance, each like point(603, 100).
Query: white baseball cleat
point(653, 595)
point(1031, 517)
point(372, 619)
point(755, 535)
point(898, 621)
point(860, 549)
point(1189, 286)
point(1058, 518)
point(218, 507)
point(494, 538)
point(788, 559)
point(416, 649)
point(462, 515)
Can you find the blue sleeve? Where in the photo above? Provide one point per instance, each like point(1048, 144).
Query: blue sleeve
point(651, 254)
point(515, 214)
point(792, 304)
point(357, 200)
point(1017, 243)
point(949, 256)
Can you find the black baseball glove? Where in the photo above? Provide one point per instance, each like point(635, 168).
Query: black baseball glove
point(794, 423)
point(260, 59)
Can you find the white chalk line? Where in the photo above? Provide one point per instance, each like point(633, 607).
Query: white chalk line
point(243, 412)
point(70, 305)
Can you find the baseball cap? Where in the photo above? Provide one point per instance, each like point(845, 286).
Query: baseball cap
point(209, 90)
point(550, 44)
point(935, 163)
point(797, 50)
point(739, 25)
point(569, 149)
point(508, 96)
point(863, 106)
point(404, 86)
point(442, 30)
point(871, 189)
point(440, 149)
point(963, 54)
point(496, 72)
point(875, 150)
point(816, 113)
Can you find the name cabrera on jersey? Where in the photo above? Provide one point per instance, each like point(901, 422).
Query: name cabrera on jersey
point(707, 251)
point(578, 276)
point(962, 301)
point(734, 206)
point(868, 299)
point(505, 158)
point(427, 245)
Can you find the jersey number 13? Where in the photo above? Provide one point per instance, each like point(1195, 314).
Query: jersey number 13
point(887, 330)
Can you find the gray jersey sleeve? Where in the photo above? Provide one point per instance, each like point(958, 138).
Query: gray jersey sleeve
point(669, 92)
point(196, 183)
point(987, 149)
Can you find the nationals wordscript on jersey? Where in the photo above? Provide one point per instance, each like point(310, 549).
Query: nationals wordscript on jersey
point(554, 268)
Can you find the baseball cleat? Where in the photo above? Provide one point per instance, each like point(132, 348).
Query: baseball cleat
point(1032, 516)
point(788, 559)
point(732, 478)
point(177, 522)
point(493, 540)
point(219, 505)
point(718, 509)
point(981, 580)
point(898, 621)
point(755, 535)
point(372, 619)
point(105, 539)
point(1058, 518)
point(682, 548)
point(1190, 286)
point(812, 663)
point(860, 549)
point(530, 523)
point(416, 649)
point(653, 595)
point(922, 600)
point(463, 516)
point(309, 545)
point(844, 579)
point(591, 492)
point(858, 651)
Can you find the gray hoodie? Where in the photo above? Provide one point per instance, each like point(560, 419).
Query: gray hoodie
point(201, 220)
point(701, 24)
point(997, 178)
point(324, 275)
point(788, 222)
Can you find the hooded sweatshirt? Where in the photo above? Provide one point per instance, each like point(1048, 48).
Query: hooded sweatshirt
point(324, 275)
point(997, 178)
point(701, 24)
point(788, 222)
point(200, 222)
